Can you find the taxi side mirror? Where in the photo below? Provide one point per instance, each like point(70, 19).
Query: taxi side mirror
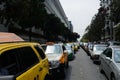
point(65, 51)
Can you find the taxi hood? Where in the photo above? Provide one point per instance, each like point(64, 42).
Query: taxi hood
point(52, 57)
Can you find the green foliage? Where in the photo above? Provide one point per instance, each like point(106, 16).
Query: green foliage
point(94, 30)
point(27, 13)
point(115, 11)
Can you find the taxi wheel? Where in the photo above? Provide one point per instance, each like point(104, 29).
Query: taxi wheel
point(47, 77)
point(100, 69)
point(91, 58)
point(67, 64)
point(113, 77)
point(63, 72)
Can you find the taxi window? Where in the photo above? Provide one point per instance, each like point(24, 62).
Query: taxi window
point(27, 57)
point(40, 51)
point(8, 60)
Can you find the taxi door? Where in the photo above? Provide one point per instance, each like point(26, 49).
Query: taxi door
point(30, 66)
point(33, 73)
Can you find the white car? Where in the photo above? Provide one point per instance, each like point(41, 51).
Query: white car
point(96, 51)
point(71, 54)
point(110, 62)
point(58, 59)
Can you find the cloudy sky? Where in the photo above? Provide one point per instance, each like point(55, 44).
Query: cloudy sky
point(80, 12)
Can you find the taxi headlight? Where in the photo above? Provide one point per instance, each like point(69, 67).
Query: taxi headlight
point(54, 64)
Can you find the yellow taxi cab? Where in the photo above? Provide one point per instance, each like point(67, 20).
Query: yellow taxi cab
point(75, 46)
point(23, 61)
point(58, 59)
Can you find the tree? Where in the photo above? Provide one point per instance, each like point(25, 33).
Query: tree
point(53, 27)
point(26, 13)
point(94, 30)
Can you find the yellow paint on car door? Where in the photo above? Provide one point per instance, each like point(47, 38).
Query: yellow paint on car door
point(34, 73)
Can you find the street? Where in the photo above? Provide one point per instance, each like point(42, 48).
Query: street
point(82, 68)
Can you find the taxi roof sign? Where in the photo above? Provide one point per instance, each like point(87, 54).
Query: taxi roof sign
point(49, 43)
point(9, 37)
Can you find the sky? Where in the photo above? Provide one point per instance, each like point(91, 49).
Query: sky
point(80, 13)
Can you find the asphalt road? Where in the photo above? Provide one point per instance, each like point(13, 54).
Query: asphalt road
point(82, 68)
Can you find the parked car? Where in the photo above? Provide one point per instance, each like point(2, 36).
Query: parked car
point(85, 47)
point(73, 46)
point(110, 62)
point(113, 43)
point(90, 47)
point(58, 59)
point(96, 51)
point(71, 54)
point(23, 61)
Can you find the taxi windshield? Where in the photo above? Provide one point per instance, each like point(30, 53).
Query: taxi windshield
point(99, 48)
point(53, 49)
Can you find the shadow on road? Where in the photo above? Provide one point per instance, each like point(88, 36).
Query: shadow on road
point(68, 74)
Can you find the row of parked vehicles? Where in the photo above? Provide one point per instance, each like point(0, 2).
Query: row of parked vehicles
point(108, 56)
point(59, 55)
point(21, 60)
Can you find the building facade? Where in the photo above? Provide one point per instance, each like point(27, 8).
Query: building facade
point(108, 29)
point(54, 7)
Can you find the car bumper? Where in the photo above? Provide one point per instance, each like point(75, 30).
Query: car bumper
point(54, 71)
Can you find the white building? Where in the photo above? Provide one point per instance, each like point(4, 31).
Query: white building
point(105, 4)
point(54, 7)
